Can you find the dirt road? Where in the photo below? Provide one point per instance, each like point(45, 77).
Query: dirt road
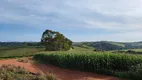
point(63, 74)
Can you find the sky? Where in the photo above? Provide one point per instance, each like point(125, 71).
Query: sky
point(78, 20)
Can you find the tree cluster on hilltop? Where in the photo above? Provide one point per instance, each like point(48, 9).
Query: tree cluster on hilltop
point(55, 41)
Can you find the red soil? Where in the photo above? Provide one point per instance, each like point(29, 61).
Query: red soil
point(63, 74)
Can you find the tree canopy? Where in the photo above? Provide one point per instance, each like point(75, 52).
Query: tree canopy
point(55, 41)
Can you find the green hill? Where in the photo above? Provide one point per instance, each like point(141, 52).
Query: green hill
point(109, 45)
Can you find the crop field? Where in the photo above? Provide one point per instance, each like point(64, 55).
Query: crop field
point(122, 65)
point(83, 59)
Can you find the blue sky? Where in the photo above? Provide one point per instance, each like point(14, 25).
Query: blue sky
point(79, 20)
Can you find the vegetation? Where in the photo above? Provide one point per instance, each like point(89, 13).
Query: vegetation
point(11, 72)
point(23, 60)
point(55, 41)
point(98, 46)
point(102, 45)
point(18, 52)
point(129, 51)
point(108, 45)
point(102, 57)
point(12, 52)
point(135, 73)
point(106, 63)
point(19, 44)
point(74, 51)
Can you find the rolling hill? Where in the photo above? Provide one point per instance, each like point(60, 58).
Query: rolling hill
point(98, 46)
point(109, 45)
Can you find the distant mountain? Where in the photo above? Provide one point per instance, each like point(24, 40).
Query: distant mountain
point(109, 45)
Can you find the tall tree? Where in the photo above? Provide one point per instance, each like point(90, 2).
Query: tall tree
point(55, 41)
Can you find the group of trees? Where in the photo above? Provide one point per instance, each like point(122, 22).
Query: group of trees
point(52, 40)
point(55, 41)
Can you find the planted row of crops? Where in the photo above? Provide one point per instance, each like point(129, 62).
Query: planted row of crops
point(91, 62)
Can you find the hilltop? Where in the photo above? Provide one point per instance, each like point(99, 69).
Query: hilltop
point(109, 45)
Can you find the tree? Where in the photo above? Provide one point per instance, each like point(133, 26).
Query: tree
point(55, 41)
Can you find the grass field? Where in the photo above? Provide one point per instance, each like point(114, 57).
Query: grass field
point(11, 52)
point(128, 51)
point(136, 50)
point(75, 50)
point(18, 52)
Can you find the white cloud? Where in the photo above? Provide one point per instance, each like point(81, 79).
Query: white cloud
point(120, 37)
point(115, 26)
point(118, 16)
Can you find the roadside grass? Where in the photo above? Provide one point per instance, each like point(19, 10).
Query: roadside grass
point(23, 60)
point(11, 72)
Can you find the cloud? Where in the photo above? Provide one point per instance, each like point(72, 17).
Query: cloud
point(120, 37)
point(115, 16)
point(115, 26)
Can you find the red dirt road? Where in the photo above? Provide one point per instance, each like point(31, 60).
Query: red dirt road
point(63, 74)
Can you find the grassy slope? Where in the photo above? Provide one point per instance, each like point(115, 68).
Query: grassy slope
point(117, 44)
point(75, 50)
point(7, 52)
point(136, 50)
point(28, 51)
point(109, 45)
point(17, 52)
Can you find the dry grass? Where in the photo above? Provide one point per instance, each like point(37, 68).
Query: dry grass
point(24, 60)
point(11, 72)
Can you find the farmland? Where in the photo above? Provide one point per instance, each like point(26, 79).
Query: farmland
point(82, 58)
point(11, 52)
point(70, 39)
point(120, 65)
